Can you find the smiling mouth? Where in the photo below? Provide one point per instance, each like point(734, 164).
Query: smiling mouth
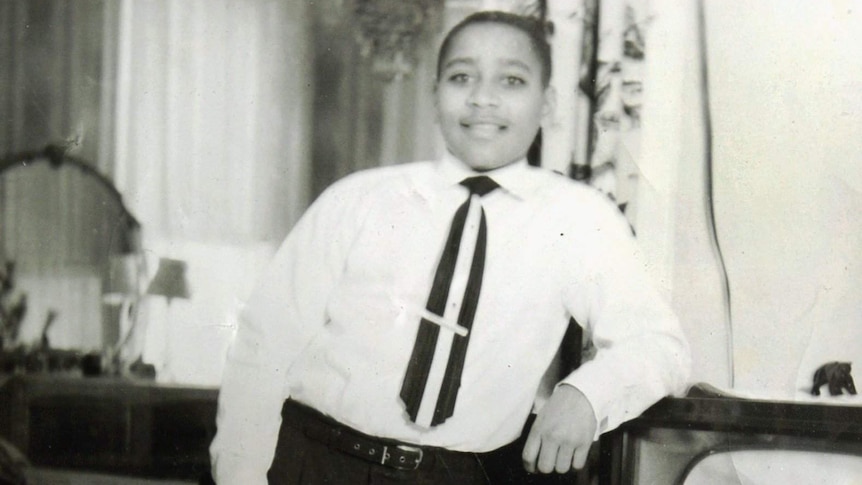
point(484, 129)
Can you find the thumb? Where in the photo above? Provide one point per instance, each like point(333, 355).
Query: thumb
point(531, 450)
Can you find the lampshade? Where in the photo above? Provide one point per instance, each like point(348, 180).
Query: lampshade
point(121, 281)
point(170, 280)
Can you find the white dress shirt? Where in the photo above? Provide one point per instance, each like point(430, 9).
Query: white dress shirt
point(333, 321)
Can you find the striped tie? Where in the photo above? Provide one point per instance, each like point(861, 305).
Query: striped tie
point(419, 392)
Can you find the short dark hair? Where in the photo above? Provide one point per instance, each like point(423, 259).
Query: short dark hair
point(533, 27)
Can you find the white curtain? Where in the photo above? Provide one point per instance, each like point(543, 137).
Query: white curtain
point(212, 156)
point(673, 212)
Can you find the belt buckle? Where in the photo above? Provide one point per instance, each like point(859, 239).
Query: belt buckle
point(384, 457)
point(413, 449)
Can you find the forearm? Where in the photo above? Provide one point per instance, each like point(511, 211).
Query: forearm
point(641, 352)
point(625, 379)
point(248, 422)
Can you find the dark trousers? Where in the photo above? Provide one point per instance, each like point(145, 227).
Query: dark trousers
point(303, 460)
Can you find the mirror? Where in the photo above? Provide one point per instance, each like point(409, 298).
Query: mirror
point(64, 225)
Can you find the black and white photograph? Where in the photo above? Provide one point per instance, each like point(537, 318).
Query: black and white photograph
point(430, 242)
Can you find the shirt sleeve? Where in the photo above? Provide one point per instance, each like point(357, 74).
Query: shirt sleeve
point(641, 353)
point(282, 315)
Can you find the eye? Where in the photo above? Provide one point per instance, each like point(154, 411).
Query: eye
point(514, 81)
point(458, 78)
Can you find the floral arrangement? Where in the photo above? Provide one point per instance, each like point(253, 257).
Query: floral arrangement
point(13, 307)
point(16, 356)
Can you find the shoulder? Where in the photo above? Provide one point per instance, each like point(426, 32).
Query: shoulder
point(562, 190)
point(370, 186)
point(346, 203)
point(576, 204)
point(377, 180)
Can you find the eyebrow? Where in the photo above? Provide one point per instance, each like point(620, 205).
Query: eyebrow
point(471, 61)
point(518, 63)
point(458, 60)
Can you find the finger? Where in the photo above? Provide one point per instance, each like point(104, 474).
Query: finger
point(580, 456)
point(564, 458)
point(531, 451)
point(547, 457)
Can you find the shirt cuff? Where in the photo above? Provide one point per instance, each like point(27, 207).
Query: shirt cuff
point(599, 421)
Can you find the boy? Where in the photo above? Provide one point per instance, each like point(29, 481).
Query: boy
point(392, 363)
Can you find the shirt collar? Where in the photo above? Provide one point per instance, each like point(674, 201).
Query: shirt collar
point(518, 178)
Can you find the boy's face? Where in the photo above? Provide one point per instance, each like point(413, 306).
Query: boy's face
point(490, 98)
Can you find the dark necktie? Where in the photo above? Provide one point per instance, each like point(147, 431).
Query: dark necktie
point(418, 370)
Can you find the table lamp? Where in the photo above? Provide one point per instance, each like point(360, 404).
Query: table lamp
point(170, 280)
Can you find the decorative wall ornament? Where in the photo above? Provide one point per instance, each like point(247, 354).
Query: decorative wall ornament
point(389, 31)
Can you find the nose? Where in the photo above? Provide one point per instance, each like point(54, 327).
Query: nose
point(483, 94)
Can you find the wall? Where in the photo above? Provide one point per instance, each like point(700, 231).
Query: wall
point(781, 278)
point(784, 90)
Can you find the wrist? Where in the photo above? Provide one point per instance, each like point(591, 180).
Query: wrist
point(576, 399)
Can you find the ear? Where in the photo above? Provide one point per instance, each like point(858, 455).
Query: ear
point(436, 100)
point(549, 105)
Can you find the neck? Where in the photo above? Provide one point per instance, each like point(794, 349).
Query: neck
point(484, 170)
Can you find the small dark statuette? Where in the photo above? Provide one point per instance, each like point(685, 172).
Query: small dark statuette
point(837, 375)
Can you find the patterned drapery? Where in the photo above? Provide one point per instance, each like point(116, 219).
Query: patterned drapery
point(632, 122)
point(599, 54)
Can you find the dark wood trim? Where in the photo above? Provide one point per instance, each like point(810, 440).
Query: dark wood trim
point(110, 425)
point(696, 426)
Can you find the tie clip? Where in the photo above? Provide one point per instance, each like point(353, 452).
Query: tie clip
point(438, 320)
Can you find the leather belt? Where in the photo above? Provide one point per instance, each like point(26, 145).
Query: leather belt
point(400, 457)
point(320, 428)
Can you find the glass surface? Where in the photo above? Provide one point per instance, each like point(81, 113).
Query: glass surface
point(775, 467)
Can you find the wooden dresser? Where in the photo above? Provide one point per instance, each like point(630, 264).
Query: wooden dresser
point(110, 425)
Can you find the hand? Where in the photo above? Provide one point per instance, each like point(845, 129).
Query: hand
point(562, 434)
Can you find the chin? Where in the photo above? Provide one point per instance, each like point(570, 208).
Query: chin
point(484, 164)
point(481, 167)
